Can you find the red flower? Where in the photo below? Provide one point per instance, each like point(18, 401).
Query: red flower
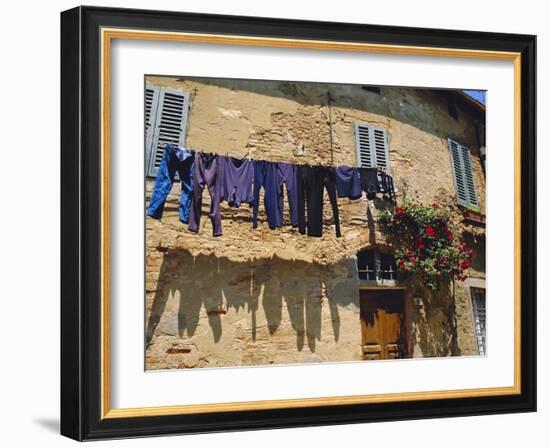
point(398, 210)
point(400, 261)
point(449, 235)
point(435, 206)
point(430, 231)
point(464, 265)
point(419, 243)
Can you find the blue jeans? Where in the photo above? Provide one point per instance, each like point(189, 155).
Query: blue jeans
point(174, 160)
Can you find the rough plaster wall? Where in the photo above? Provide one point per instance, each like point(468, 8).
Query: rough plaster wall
point(209, 311)
point(233, 307)
point(442, 323)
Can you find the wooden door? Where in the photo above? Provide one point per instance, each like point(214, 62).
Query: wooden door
point(382, 324)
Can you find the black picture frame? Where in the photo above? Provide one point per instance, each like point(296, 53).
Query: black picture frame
point(81, 223)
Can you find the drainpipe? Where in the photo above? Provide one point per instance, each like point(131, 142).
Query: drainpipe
point(481, 148)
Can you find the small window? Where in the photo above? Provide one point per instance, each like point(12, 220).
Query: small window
point(479, 309)
point(374, 265)
point(371, 144)
point(366, 265)
point(372, 89)
point(463, 175)
point(453, 110)
point(165, 123)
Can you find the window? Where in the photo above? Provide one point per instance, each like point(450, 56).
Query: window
point(463, 175)
point(375, 265)
point(371, 144)
point(478, 306)
point(165, 122)
point(453, 110)
point(372, 89)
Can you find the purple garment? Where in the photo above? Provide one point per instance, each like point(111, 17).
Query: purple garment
point(286, 174)
point(207, 173)
point(237, 180)
point(348, 182)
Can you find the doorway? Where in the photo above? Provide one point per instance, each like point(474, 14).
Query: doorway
point(382, 324)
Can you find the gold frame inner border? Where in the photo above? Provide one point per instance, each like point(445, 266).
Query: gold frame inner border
point(107, 36)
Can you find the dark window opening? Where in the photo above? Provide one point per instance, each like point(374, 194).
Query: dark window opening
point(373, 265)
point(369, 88)
point(453, 110)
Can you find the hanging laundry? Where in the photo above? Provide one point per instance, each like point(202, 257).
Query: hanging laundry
point(348, 182)
point(207, 173)
point(265, 175)
point(241, 180)
point(369, 181)
point(312, 181)
point(237, 180)
point(286, 175)
point(386, 184)
point(175, 159)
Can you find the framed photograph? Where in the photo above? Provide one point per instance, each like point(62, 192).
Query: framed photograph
point(275, 223)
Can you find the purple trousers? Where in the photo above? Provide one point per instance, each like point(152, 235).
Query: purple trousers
point(207, 173)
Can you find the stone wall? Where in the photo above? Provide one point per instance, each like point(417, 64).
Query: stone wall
point(260, 296)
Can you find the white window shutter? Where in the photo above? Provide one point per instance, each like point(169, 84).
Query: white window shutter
point(365, 158)
point(380, 144)
point(371, 144)
point(167, 125)
point(463, 175)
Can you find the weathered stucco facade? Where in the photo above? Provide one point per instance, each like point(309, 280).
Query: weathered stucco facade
point(261, 296)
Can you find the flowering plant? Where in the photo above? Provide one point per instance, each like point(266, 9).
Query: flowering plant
point(425, 243)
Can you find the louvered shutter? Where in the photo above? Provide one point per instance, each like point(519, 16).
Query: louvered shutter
point(372, 147)
point(152, 94)
point(461, 163)
point(167, 123)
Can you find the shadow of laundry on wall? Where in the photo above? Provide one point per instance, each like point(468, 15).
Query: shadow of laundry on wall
point(219, 285)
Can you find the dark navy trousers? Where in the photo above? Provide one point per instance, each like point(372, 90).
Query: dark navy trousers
point(312, 181)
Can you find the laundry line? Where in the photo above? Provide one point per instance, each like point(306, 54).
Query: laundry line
point(240, 180)
point(273, 160)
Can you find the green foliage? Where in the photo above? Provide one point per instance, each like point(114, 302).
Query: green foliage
point(425, 245)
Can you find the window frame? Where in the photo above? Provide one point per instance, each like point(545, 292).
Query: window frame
point(377, 252)
point(473, 296)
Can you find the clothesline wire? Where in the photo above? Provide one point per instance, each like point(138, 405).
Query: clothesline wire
point(329, 99)
point(273, 161)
